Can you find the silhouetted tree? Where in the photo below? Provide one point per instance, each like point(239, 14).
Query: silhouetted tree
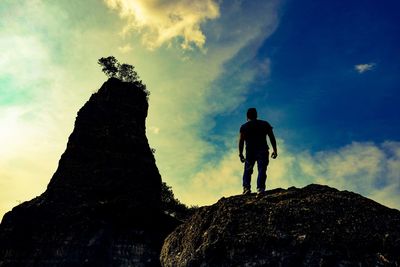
point(109, 65)
point(127, 73)
point(172, 205)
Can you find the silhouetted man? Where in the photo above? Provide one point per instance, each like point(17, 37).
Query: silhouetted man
point(254, 133)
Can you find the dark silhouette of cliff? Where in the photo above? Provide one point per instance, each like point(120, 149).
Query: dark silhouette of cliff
point(102, 206)
point(312, 226)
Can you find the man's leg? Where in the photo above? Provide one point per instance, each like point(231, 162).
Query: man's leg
point(248, 170)
point(262, 163)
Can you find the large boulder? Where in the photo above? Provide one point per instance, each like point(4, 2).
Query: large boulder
point(313, 226)
point(102, 206)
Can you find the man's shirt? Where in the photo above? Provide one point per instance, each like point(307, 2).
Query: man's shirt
point(255, 135)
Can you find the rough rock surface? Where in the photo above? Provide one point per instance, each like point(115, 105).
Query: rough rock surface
point(313, 226)
point(102, 206)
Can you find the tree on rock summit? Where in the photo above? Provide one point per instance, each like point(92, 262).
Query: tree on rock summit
point(113, 69)
point(110, 66)
point(125, 72)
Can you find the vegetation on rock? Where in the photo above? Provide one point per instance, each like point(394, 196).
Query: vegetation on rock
point(172, 206)
point(125, 72)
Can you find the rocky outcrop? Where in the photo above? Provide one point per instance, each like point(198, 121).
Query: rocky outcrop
point(313, 226)
point(102, 206)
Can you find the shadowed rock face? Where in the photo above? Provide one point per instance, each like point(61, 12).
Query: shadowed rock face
point(313, 226)
point(102, 206)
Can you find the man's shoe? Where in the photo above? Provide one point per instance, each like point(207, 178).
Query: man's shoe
point(246, 191)
point(260, 192)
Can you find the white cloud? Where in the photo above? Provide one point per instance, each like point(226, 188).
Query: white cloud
point(160, 22)
point(125, 48)
point(361, 68)
point(215, 180)
point(366, 168)
point(369, 169)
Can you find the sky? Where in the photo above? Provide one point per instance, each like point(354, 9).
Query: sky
point(324, 74)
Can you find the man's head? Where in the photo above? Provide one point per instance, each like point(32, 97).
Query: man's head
point(251, 114)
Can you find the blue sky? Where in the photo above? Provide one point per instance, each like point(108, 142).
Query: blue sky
point(313, 83)
point(324, 74)
point(313, 54)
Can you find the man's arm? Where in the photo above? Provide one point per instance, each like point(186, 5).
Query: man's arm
point(273, 143)
point(241, 146)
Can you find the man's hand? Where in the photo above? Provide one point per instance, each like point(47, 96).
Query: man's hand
point(242, 159)
point(274, 155)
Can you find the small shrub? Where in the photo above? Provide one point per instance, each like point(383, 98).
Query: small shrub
point(173, 206)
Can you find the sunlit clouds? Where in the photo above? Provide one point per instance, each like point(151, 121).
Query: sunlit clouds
point(361, 68)
point(125, 48)
point(372, 170)
point(367, 168)
point(161, 22)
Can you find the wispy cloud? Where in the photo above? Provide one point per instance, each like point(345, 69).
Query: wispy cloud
point(34, 57)
point(125, 48)
point(367, 168)
point(161, 22)
point(361, 68)
point(197, 86)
